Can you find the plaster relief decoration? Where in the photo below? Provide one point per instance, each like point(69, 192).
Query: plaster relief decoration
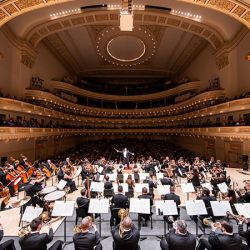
point(222, 61)
point(27, 59)
point(126, 48)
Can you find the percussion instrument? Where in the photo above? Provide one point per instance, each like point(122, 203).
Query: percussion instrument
point(48, 190)
point(56, 195)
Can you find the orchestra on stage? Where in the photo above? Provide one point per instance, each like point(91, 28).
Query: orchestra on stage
point(138, 184)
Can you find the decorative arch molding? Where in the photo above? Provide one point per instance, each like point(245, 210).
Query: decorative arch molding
point(237, 9)
point(39, 32)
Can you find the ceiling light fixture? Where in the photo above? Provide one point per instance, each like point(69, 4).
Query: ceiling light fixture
point(65, 13)
point(188, 15)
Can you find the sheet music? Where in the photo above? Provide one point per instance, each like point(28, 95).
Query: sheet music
point(220, 207)
point(97, 186)
point(243, 209)
point(207, 185)
point(31, 213)
point(143, 176)
point(78, 171)
point(101, 177)
point(112, 177)
point(167, 207)
point(100, 169)
point(99, 206)
point(141, 206)
point(125, 187)
point(63, 208)
point(61, 184)
point(125, 176)
point(159, 176)
point(163, 189)
point(139, 186)
point(187, 187)
point(196, 207)
point(156, 169)
point(223, 187)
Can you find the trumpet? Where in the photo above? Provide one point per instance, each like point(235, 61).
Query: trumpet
point(25, 230)
point(122, 214)
point(208, 222)
point(236, 217)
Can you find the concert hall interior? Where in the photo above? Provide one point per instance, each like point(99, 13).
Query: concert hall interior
point(124, 124)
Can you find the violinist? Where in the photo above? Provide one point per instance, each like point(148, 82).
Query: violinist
point(5, 182)
point(194, 177)
point(68, 177)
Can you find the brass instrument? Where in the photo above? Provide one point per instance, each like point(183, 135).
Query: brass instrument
point(236, 217)
point(78, 228)
point(207, 222)
point(25, 230)
point(122, 214)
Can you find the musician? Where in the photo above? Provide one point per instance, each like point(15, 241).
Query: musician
point(145, 195)
point(85, 240)
point(194, 178)
point(7, 245)
point(37, 240)
point(129, 238)
point(177, 200)
point(48, 165)
point(68, 177)
point(83, 201)
point(107, 184)
point(166, 180)
point(225, 241)
point(151, 185)
point(178, 238)
point(244, 234)
point(245, 197)
point(118, 201)
point(131, 183)
point(5, 182)
point(125, 153)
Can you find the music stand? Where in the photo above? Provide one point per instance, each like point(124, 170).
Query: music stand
point(187, 188)
point(243, 209)
point(99, 206)
point(196, 208)
point(124, 185)
point(223, 187)
point(140, 186)
point(165, 207)
point(220, 208)
point(207, 185)
point(143, 176)
point(63, 209)
point(30, 214)
point(163, 189)
point(61, 185)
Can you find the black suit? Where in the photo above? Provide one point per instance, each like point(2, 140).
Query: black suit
point(118, 201)
point(244, 234)
point(83, 202)
point(7, 245)
point(87, 241)
point(128, 241)
point(166, 181)
point(178, 241)
point(221, 242)
point(146, 216)
point(39, 241)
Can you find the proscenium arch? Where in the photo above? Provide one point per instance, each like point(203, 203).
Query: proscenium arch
point(235, 8)
point(39, 32)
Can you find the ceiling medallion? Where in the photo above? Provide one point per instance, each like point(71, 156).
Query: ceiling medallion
point(125, 48)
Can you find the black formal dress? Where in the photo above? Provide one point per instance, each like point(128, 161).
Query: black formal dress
point(128, 241)
point(87, 241)
point(175, 241)
point(221, 242)
point(7, 245)
point(37, 241)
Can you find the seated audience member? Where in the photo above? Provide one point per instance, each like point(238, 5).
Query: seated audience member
point(38, 241)
point(7, 245)
point(126, 236)
point(85, 240)
point(145, 195)
point(225, 241)
point(178, 238)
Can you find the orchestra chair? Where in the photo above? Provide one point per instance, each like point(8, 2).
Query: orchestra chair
point(115, 216)
point(81, 212)
point(108, 193)
point(140, 219)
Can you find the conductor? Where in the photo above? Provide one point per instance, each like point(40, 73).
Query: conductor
point(125, 153)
